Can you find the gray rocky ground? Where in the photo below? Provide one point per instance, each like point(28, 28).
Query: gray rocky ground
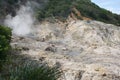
point(85, 50)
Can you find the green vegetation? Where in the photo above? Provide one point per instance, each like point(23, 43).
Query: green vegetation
point(8, 7)
point(62, 8)
point(12, 1)
point(56, 8)
point(93, 11)
point(32, 71)
point(22, 67)
point(5, 37)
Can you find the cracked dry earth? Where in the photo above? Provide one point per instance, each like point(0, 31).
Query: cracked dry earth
point(85, 50)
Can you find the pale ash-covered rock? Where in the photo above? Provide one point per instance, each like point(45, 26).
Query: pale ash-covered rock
point(85, 50)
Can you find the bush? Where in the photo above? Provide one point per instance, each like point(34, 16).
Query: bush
point(56, 8)
point(5, 31)
point(5, 37)
point(33, 71)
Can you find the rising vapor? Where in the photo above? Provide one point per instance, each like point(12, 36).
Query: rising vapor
point(23, 21)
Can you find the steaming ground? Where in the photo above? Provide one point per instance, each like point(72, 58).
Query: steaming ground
point(89, 48)
point(23, 22)
point(85, 50)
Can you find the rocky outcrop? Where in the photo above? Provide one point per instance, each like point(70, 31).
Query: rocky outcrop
point(75, 14)
point(85, 50)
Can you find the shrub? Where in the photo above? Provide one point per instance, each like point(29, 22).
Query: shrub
point(5, 37)
point(33, 71)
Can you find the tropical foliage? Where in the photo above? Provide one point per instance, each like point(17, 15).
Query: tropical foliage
point(5, 37)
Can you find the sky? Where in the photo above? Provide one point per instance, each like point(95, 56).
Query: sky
point(112, 5)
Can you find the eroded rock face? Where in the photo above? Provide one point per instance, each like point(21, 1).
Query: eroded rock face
point(85, 50)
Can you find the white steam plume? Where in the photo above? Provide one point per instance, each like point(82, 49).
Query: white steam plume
point(22, 22)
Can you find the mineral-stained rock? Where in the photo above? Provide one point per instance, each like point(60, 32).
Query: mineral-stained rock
point(85, 50)
point(51, 48)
